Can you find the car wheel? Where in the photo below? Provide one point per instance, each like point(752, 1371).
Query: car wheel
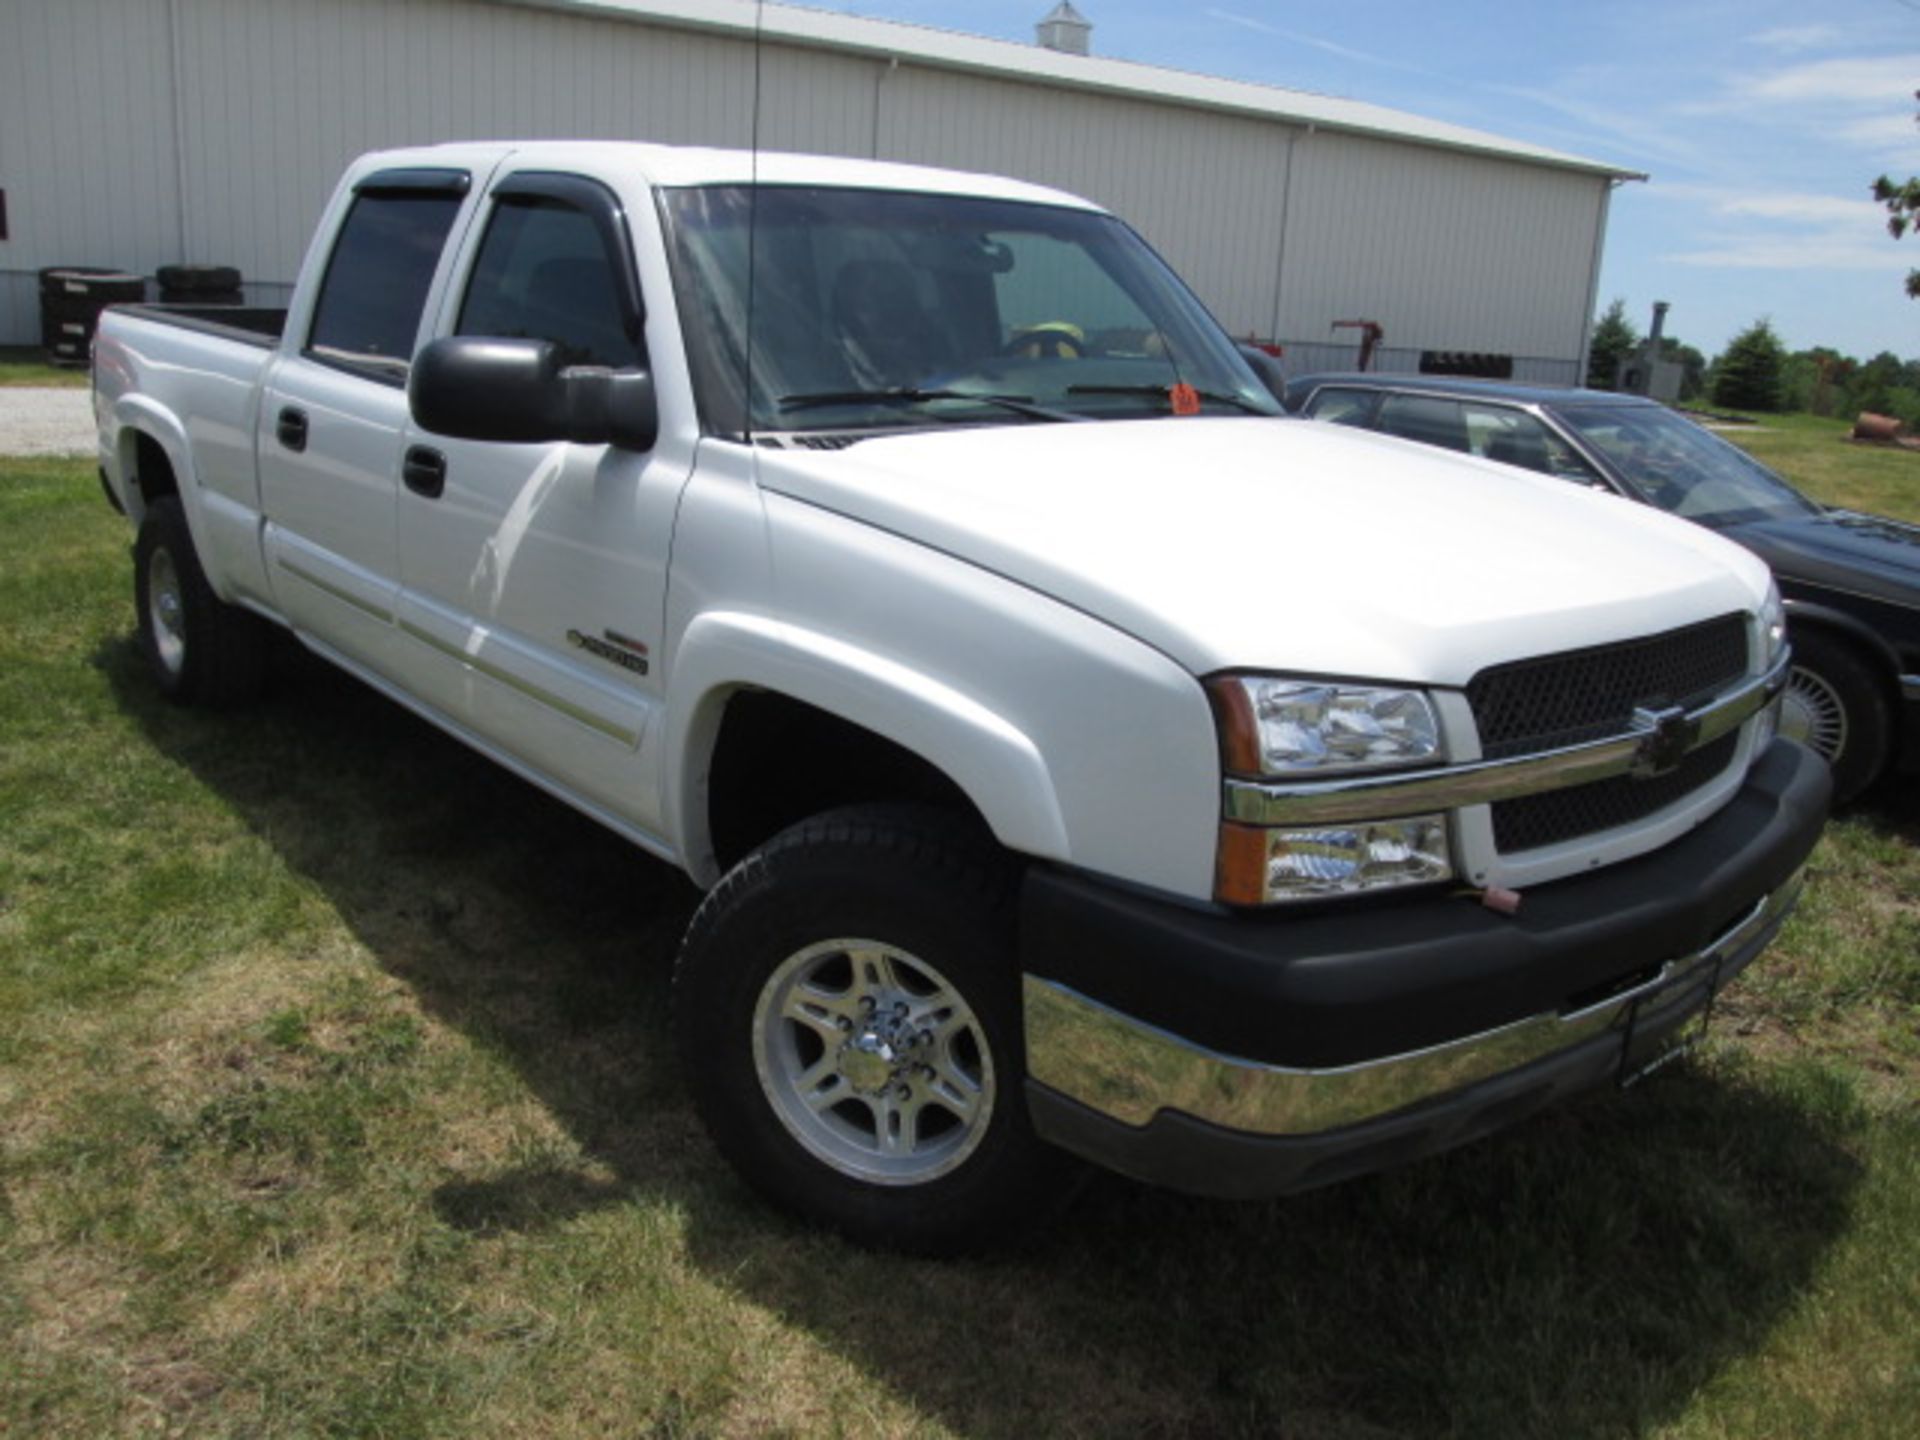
point(1834, 704)
point(846, 1006)
point(200, 650)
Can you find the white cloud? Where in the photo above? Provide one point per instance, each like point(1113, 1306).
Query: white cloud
point(1793, 38)
point(1871, 81)
point(1896, 133)
point(1248, 22)
point(1805, 209)
point(1649, 137)
point(1806, 253)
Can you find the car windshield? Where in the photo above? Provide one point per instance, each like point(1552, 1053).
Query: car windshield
point(1681, 467)
point(871, 309)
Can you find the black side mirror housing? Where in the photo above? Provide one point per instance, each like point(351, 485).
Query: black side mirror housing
point(475, 387)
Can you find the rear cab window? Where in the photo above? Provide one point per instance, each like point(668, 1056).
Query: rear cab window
point(367, 314)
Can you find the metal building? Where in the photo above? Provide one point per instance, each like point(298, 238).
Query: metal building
point(134, 133)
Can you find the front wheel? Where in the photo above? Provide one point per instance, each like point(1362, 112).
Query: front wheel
point(847, 1010)
point(1835, 706)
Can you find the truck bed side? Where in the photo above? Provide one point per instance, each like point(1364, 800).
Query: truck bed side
point(176, 398)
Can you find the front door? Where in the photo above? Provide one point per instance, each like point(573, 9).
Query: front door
point(534, 576)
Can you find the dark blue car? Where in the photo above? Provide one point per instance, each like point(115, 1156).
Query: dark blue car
point(1851, 581)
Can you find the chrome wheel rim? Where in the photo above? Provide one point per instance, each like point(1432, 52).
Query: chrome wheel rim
point(1811, 712)
point(166, 612)
point(873, 1061)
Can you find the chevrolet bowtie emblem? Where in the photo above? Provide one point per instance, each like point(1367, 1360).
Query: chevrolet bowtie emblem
point(1669, 736)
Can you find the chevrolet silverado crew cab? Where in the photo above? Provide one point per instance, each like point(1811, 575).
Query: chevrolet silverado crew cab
point(1079, 758)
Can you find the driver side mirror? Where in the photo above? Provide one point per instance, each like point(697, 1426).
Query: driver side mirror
point(474, 387)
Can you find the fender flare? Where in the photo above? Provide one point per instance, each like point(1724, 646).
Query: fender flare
point(135, 416)
point(995, 764)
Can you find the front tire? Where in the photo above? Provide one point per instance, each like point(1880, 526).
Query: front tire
point(1836, 706)
point(200, 650)
point(847, 1010)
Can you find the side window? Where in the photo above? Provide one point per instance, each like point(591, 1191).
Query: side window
point(543, 273)
point(1514, 437)
point(1425, 418)
point(1342, 407)
point(376, 283)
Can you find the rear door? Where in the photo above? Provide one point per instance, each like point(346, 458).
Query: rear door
point(534, 576)
point(335, 408)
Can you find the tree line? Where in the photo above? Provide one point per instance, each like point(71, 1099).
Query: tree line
point(1757, 372)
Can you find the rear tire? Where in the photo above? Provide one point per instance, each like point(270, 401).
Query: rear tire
point(1836, 706)
point(201, 650)
point(847, 1009)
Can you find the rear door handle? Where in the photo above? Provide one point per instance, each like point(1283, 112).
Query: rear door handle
point(425, 471)
point(292, 428)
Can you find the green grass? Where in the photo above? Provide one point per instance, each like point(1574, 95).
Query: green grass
point(20, 365)
point(1818, 457)
point(336, 1099)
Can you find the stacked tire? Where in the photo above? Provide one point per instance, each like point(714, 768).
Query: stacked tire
point(200, 285)
point(71, 299)
point(1467, 364)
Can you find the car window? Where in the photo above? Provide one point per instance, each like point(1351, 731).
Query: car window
point(1426, 418)
point(1342, 407)
point(857, 295)
point(1513, 437)
point(368, 312)
point(543, 273)
point(1679, 466)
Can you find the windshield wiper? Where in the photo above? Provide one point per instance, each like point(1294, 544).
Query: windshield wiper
point(908, 395)
point(1163, 392)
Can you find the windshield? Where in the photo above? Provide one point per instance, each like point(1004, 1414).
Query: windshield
point(1684, 468)
point(876, 309)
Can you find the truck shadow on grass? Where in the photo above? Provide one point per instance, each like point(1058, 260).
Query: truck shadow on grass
point(1585, 1274)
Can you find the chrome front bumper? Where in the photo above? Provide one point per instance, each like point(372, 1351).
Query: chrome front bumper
point(1130, 1071)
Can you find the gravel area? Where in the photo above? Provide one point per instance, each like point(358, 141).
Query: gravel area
point(36, 421)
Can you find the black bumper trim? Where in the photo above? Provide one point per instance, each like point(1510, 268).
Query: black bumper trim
point(1344, 986)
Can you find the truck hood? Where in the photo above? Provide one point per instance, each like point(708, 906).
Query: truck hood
point(1249, 543)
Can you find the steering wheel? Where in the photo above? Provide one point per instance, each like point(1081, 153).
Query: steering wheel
point(1055, 340)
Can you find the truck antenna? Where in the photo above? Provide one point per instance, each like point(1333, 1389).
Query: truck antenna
point(753, 219)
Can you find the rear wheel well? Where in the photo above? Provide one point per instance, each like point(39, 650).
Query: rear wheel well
point(777, 761)
point(153, 474)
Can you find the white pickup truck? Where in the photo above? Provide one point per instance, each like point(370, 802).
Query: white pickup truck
point(1078, 758)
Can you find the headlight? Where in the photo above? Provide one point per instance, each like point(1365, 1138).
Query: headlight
point(1263, 867)
point(1275, 726)
point(1773, 627)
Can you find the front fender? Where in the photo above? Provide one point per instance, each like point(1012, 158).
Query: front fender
point(994, 763)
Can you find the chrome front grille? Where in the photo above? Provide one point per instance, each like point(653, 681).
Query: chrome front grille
point(1554, 700)
point(1575, 696)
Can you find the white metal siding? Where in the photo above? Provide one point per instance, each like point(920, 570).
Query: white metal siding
point(1206, 190)
point(1447, 249)
point(86, 142)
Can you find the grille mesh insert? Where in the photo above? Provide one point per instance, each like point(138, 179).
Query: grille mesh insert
point(1579, 695)
point(1555, 815)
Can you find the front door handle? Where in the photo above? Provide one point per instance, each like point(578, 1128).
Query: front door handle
point(292, 428)
point(425, 471)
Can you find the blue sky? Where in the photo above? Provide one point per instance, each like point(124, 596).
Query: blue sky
point(1762, 123)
